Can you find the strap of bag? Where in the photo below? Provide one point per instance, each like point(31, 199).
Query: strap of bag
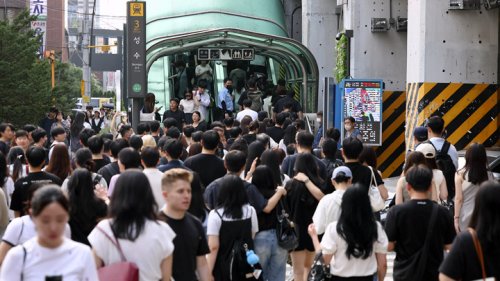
point(479, 251)
point(373, 180)
point(445, 148)
point(114, 241)
point(25, 253)
point(21, 232)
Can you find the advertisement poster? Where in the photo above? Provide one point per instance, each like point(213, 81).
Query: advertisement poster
point(363, 101)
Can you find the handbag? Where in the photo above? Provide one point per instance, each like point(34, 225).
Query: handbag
point(376, 200)
point(479, 252)
point(285, 229)
point(412, 268)
point(319, 270)
point(119, 271)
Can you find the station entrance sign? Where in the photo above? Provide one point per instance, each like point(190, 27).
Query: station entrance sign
point(362, 99)
point(136, 49)
point(226, 54)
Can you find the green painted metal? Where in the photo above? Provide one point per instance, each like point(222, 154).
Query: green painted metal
point(176, 26)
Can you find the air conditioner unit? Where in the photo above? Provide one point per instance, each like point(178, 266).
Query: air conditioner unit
point(401, 24)
point(380, 25)
point(490, 4)
point(465, 5)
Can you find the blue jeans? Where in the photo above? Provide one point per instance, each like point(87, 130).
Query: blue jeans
point(272, 257)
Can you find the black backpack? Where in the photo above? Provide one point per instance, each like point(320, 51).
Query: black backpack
point(445, 164)
point(236, 262)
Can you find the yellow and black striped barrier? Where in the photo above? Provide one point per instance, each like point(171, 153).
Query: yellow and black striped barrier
point(391, 155)
point(470, 111)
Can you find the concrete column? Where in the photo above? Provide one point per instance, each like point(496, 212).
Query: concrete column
point(293, 18)
point(452, 68)
point(319, 27)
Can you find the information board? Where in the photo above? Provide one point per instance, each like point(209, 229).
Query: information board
point(226, 54)
point(362, 99)
point(136, 49)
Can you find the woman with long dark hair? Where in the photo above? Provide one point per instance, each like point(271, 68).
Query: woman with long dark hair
point(463, 260)
point(143, 240)
point(6, 182)
point(49, 252)
point(355, 246)
point(288, 137)
point(83, 160)
point(467, 182)
point(86, 208)
point(59, 162)
point(272, 256)
point(76, 127)
point(233, 220)
point(272, 159)
point(16, 159)
point(302, 197)
point(253, 128)
point(255, 150)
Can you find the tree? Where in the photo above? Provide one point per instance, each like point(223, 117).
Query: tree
point(25, 81)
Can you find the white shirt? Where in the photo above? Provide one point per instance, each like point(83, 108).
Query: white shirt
point(71, 260)
point(8, 188)
point(200, 69)
point(187, 105)
point(204, 103)
point(328, 210)
point(153, 245)
point(23, 229)
point(340, 265)
point(215, 222)
point(245, 112)
point(154, 176)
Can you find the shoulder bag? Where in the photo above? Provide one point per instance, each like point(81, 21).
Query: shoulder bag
point(319, 270)
point(375, 198)
point(412, 268)
point(285, 229)
point(119, 271)
point(479, 252)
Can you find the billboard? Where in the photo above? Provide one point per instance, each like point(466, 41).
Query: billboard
point(136, 49)
point(39, 8)
point(362, 99)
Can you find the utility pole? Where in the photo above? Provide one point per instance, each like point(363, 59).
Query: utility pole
point(86, 55)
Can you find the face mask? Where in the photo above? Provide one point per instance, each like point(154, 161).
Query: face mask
point(347, 127)
point(318, 120)
point(230, 88)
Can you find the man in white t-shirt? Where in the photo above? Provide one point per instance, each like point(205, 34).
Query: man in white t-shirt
point(247, 111)
point(203, 71)
point(150, 157)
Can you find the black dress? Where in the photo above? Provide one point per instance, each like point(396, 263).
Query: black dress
point(231, 231)
point(302, 207)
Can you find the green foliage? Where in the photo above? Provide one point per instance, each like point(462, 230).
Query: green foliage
point(341, 64)
point(25, 81)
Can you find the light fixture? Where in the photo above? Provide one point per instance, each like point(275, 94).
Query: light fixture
point(379, 25)
point(465, 5)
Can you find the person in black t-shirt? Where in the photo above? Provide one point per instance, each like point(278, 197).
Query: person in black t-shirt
point(111, 169)
point(190, 240)
point(277, 132)
point(175, 113)
point(351, 149)
point(96, 145)
point(207, 164)
point(36, 159)
point(6, 136)
point(407, 226)
point(462, 262)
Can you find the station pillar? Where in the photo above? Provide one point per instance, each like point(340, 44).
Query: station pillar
point(452, 71)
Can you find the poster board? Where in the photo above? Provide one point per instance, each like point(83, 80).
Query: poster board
point(362, 99)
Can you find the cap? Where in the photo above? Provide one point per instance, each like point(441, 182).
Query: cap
point(427, 149)
point(420, 133)
point(343, 169)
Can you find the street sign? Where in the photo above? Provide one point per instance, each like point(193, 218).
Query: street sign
point(226, 54)
point(362, 99)
point(136, 49)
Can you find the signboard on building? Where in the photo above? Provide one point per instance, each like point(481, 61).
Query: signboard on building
point(39, 8)
point(136, 49)
point(226, 54)
point(362, 99)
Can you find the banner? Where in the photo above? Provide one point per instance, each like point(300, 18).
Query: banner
point(39, 8)
point(362, 99)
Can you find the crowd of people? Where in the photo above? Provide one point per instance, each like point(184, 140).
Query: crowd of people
point(193, 200)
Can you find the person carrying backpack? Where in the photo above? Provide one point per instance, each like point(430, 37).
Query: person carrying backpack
point(446, 156)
